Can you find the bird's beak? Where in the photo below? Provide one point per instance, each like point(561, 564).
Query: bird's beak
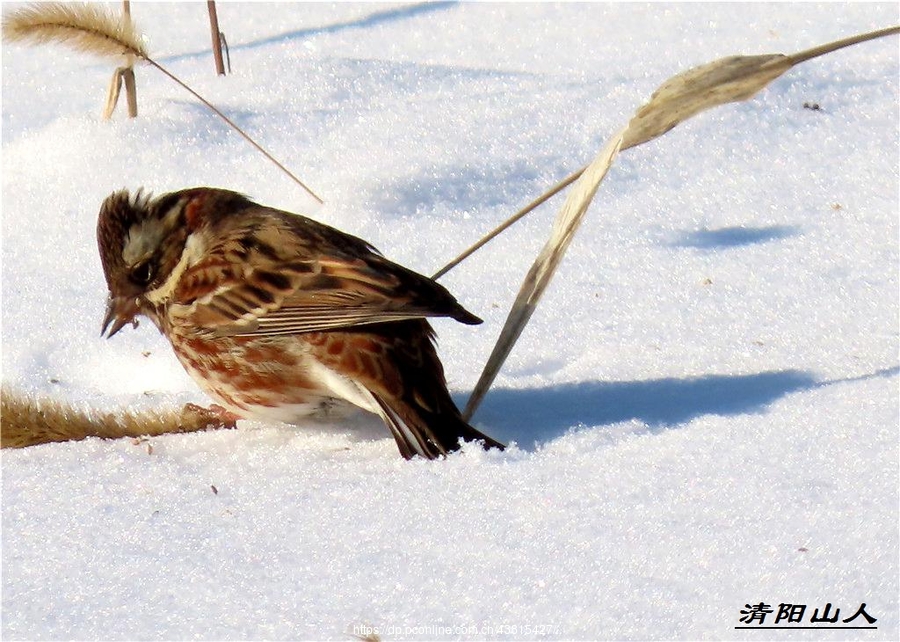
point(119, 312)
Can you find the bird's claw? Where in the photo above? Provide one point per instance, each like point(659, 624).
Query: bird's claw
point(194, 417)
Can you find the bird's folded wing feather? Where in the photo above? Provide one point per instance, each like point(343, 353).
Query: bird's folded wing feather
point(305, 296)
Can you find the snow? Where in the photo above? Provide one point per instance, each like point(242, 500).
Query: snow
point(705, 405)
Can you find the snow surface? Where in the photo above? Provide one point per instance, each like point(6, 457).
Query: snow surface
point(705, 404)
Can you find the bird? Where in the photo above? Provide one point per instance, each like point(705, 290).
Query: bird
point(278, 317)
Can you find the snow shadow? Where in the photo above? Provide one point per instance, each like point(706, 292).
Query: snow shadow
point(458, 187)
point(532, 416)
point(373, 19)
point(706, 239)
point(539, 415)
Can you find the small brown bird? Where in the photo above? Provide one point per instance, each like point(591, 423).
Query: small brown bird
point(278, 317)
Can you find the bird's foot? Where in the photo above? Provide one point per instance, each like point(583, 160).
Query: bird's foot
point(194, 417)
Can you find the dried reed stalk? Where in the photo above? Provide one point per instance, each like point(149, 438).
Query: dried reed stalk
point(128, 73)
point(216, 37)
point(731, 79)
point(636, 139)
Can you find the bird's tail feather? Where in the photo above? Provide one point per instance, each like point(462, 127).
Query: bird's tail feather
point(427, 434)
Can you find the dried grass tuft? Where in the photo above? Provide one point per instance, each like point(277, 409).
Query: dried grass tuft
point(25, 421)
point(88, 28)
point(92, 29)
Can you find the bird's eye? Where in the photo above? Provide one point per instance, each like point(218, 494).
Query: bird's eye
point(142, 273)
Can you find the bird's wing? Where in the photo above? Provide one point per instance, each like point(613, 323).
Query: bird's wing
point(260, 290)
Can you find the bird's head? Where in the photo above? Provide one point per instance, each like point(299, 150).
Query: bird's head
point(141, 240)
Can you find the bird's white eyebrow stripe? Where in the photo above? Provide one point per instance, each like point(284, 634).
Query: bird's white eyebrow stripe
point(192, 253)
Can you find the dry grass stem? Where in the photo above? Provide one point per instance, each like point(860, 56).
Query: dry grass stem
point(821, 50)
point(636, 138)
point(731, 79)
point(25, 421)
point(540, 200)
point(541, 272)
point(91, 28)
point(112, 96)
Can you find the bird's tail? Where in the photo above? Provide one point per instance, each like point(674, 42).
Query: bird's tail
point(398, 365)
point(419, 430)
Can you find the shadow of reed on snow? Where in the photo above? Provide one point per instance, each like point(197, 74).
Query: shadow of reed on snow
point(539, 415)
